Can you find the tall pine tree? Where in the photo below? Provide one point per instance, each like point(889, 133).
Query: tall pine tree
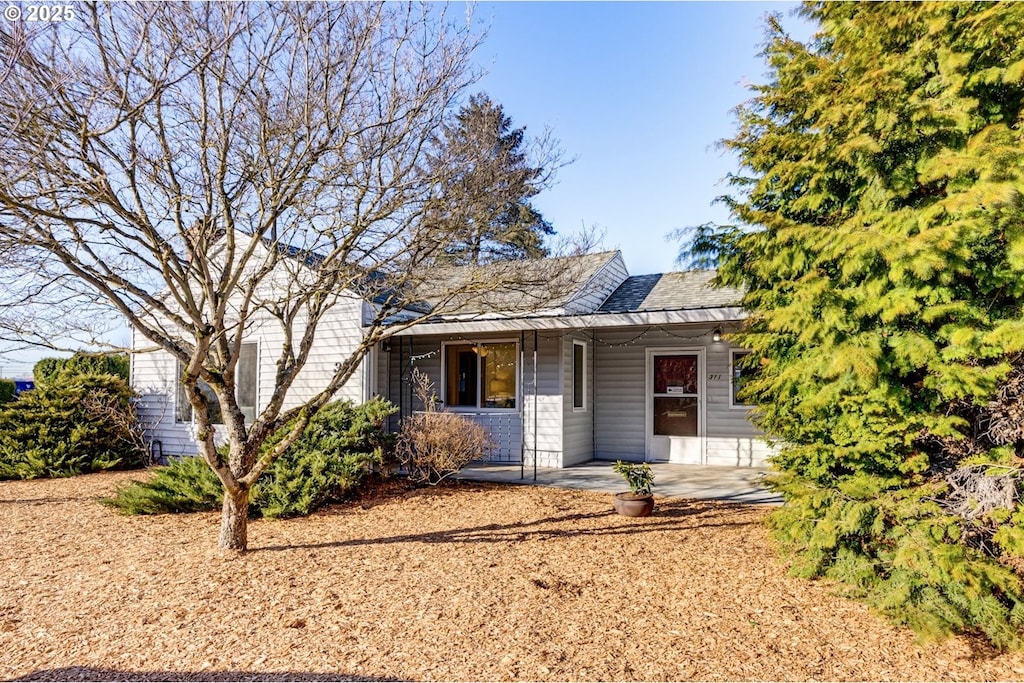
point(880, 239)
point(489, 182)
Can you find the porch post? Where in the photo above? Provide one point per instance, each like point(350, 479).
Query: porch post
point(535, 405)
point(593, 394)
point(522, 404)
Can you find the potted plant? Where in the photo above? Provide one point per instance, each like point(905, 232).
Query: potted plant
point(638, 501)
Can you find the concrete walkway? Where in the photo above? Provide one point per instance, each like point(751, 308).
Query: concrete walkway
point(735, 484)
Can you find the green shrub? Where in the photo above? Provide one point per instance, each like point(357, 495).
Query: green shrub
point(638, 476)
point(48, 370)
point(184, 485)
point(330, 460)
point(7, 390)
point(882, 262)
point(71, 426)
point(339, 447)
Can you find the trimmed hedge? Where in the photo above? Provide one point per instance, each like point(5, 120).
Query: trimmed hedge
point(341, 445)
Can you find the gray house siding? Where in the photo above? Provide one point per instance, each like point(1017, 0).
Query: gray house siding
point(577, 423)
point(613, 423)
point(540, 404)
point(621, 397)
point(153, 378)
point(619, 400)
point(543, 406)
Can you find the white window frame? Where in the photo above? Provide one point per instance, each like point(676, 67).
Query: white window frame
point(733, 353)
point(583, 407)
point(479, 376)
point(256, 381)
point(178, 365)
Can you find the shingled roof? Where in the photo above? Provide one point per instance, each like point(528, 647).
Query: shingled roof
point(548, 284)
point(670, 291)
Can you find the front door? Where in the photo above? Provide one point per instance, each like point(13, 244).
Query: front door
point(674, 406)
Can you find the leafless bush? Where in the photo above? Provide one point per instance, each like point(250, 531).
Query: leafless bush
point(435, 444)
point(125, 418)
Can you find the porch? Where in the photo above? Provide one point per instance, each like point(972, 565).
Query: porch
point(567, 396)
point(732, 484)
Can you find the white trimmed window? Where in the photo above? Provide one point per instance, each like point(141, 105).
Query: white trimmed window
point(481, 375)
point(246, 378)
point(737, 375)
point(579, 375)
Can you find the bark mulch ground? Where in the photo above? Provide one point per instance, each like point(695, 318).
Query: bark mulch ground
point(460, 582)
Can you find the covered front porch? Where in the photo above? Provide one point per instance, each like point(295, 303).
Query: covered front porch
point(560, 397)
point(732, 484)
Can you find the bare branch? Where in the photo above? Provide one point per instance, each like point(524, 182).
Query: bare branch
point(211, 171)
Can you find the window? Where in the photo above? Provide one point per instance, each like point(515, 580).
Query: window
point(579, 375)
point(245, 380)
point(738, 375)
point(246, 372)
point(480, 375)
point(183, 409)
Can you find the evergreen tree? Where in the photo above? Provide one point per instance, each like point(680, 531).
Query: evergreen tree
point(880, 240)
point(488, 181)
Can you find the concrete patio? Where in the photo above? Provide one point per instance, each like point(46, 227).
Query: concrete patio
point(734, 484)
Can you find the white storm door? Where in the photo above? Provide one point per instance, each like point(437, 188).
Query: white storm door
point(675, 406)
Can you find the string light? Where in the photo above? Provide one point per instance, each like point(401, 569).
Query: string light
point(716, 336)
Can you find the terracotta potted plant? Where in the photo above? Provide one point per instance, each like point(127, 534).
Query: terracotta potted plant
point(638, 501)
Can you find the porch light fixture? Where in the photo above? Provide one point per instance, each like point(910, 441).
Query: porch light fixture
point(716, 336)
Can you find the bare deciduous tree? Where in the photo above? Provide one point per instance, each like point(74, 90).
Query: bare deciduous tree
point(201, 168)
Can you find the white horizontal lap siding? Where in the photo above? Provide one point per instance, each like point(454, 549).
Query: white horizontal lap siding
point(577, 429)
point(337, 336)
point(154, 374)
point(732, 439)
point(738, 451)
point(153, 377)
point(544, 414)
point(621, 398)
point(600, 287)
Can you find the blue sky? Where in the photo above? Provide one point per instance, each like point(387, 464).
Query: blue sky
point(639, 93)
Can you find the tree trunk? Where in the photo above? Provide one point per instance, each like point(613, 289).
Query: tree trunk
point(234, 521)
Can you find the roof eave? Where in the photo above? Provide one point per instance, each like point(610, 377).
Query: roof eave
point(569, 322)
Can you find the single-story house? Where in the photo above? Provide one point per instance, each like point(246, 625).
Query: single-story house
point(621, 367)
